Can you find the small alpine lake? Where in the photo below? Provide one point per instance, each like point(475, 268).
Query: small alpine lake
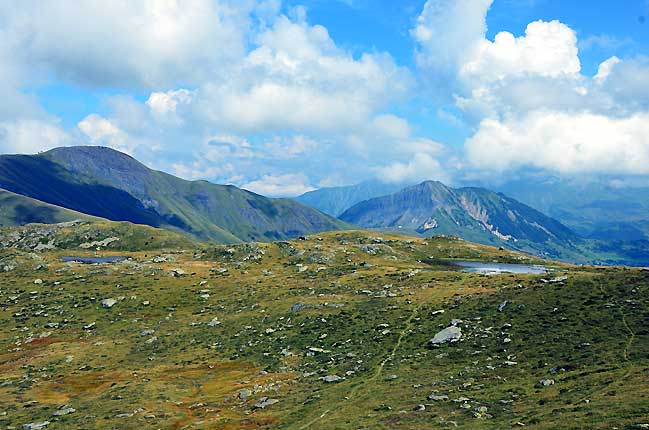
point(92, 260)
point(498, 268)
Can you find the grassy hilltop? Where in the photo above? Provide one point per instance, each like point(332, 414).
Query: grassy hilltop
point(328, 332)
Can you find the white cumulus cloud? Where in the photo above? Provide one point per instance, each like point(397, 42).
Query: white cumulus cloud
point(528, 99)
point(282, 185)
point(29, 136)
point(564, 143)
point(546, 49)
point(121, 42)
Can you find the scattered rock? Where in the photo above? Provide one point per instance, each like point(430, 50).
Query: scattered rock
point(331, 379)
point(449, 334)
point(99, 243)
point(64, 410)
point(264, 402)
point(108, 303)
point(177, 272)
point(502, 306)
point(546, 382)
point(36, 426)
point(245, 393)
point(437, 398)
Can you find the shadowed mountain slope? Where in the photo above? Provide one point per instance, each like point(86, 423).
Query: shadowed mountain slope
point(106, 183)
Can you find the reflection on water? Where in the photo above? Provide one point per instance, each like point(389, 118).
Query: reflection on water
point(495, 268)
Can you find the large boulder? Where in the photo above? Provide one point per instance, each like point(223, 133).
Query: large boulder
point(449, 334)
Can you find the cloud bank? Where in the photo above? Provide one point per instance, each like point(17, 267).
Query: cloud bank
point(252, 93)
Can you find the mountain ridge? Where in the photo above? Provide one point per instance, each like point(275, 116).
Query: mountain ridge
point(109, 184)
point(335, 200)
point(472, 213)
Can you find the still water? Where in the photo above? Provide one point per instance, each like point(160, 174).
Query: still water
point(496, 268)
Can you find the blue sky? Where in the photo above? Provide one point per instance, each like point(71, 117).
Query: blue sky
point(283, 97)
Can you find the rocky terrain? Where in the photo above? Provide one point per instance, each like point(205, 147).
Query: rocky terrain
point(343, 330)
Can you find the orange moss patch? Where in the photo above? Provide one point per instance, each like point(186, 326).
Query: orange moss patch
point(213, 386)
point(37, 349)
point(86, 384)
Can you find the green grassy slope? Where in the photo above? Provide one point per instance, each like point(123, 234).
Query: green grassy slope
point(197, 206)
point(18, 210)
point(90, 234)
point(106, 183)
point(198, 339)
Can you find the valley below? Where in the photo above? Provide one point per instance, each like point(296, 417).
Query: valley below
point(339, 330)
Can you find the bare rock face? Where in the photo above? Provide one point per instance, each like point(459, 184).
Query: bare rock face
point(448, 335)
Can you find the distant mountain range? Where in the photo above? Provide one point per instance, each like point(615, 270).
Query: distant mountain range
point(106, 183)
point(475, 214)
point(583, 223)
point(336, 200)
point(595, 209)
point(84, 182)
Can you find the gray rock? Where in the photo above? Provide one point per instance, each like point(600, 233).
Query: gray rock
point(264, 402)
point(437, 398)
point(331, 379)
point(449, 334)
point(108, 303)
point(177, 272)
point(502, 306)
point(64, 410)
point(36, 426)
point(546, 382)
point(245, 393)
point(99, 243)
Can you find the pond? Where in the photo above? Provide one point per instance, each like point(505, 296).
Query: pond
point(92, 260)
point(497, 268)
